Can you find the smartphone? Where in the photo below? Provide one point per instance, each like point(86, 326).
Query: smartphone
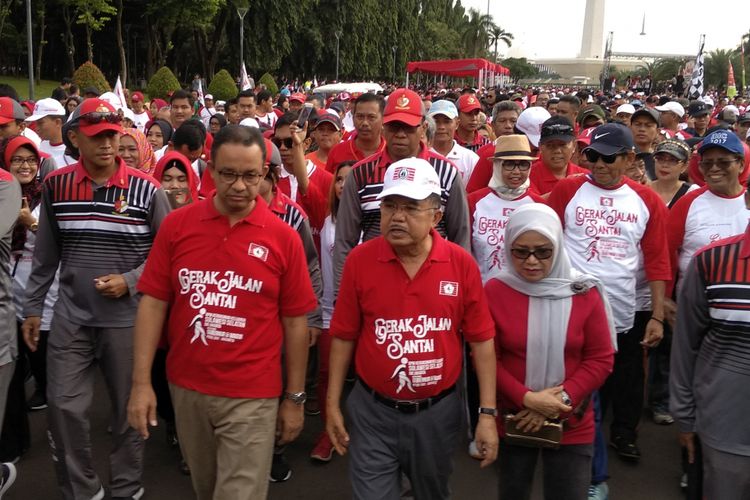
point(304, 115)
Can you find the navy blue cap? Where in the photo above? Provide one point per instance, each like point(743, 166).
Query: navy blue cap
point(610, 139)
point(725, 139)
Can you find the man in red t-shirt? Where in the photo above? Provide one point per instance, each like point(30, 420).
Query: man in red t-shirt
point(468, 122)
point(557, 144)
point(407, 299)
point(367, 138)
point(230, 279)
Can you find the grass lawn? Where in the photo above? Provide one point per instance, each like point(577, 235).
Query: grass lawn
point(44, 89)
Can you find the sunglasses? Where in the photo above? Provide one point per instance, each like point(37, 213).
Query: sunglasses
point(593, 157)
point(288, 142)
point(538, 253)
point(97, 117)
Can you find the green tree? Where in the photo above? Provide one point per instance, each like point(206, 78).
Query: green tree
point(93, 15)
point(89, 75)
point(162, 83)
point(519, 68)
point(717, 66)
point(497, 34)
point(475, 33)
point(222, 86)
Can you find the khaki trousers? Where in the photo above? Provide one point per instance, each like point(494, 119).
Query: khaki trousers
point(227, 442)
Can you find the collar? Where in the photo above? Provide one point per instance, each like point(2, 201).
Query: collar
point(358, 153)
point(623, 181)
point(438, 253)
point(386, 160)
point(745, 245)
point(119, 178)
point(256, 217)
point(279, 202)
point(476, 140)
point(310, 166)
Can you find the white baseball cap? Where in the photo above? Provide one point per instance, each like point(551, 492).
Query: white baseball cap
point(412, 178)
point(208, 96)
point(443, 107)
point(530, 123)
point(625, 108)
point(673, 106)
point(46, 107)
point(250, 122)
point(112, 99)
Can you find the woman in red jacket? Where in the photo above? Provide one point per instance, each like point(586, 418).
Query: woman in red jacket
point(554, 342)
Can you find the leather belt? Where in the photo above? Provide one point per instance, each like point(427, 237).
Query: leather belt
point(406, 406)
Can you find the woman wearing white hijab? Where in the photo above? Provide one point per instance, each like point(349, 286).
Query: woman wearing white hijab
point(555, 346)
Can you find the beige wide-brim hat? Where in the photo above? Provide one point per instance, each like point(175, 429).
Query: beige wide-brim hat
point(512, 147)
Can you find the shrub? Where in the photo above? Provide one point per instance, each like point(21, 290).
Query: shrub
point(270, 83)
point(88, 75)
point(162, 84)
point(222, 87)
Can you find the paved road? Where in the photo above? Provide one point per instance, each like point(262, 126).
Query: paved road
point(656, 477)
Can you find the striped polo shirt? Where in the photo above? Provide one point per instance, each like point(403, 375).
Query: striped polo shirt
point(91, 231)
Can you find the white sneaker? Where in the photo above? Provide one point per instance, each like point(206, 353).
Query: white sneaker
point(663, 418)
point(99, 494)
point(9, 474)
point(598, 491)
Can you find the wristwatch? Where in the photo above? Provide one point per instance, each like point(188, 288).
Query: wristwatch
point(488, 411)
point(297, 398)
point(34, 226)
point(566, 398)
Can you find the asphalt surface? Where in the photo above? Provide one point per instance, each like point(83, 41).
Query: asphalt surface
point(656, 477)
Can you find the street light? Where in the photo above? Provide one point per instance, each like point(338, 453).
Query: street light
point(338, 35)
point(241, 13)
point(393, 74)
point(29, 41)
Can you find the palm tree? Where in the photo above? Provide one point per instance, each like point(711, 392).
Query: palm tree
point(474, 33)
point(497, 34)
point(717, 66)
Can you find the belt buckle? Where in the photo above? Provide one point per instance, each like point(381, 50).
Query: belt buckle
point(406, 406)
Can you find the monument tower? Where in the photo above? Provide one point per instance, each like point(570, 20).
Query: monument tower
point(593, 30)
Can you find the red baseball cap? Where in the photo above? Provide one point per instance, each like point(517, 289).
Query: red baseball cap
point(468, 103)
point(405, 106)
point(101, 117)
point(298, 96)
point(10, 110)
point(584, 137)
point(136, 97)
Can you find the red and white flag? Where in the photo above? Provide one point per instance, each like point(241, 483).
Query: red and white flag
point(244, 80)
point(200, 92)
point(120, 93)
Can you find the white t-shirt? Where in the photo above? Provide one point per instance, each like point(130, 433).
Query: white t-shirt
point(464, 159)
point(140, 120)
point(267, 120)
point(31, 135)
point(327, 238)
point(57, 152)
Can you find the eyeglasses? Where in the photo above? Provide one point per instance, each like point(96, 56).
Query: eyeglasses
point(511, 165)
point(666, 159)
point(593, 157)
point(17, 161)
point(248, 178)
point(288, 142)
point(98, 117)
point(390, 208)
point(538, 253)
point(723, 164)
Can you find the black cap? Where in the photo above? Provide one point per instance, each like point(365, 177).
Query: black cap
point(557, 128)
point(91, 90)
point(674, 147)
point(646, 111)
point(697, 108)
point(745, 118)
point(610, 139)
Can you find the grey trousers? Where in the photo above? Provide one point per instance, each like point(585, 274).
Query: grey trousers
point(6, 375)
point(726, 476)
point(567, 471)
point(73, 351)
point(386, 443)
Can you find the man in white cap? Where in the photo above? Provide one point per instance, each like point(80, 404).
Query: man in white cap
point(671, 115)
point(49, 115)
point(623, 113)
point(407, 299)
point(445, 114)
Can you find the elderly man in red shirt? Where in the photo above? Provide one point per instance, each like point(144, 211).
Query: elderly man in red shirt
point(407, 300)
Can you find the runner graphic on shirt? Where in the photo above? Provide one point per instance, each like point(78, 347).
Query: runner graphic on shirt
point(403, 378)
point(197, 324)
point(593, 250)
point(496, 258)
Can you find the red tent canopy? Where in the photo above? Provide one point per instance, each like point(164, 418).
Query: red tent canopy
point(457, 67)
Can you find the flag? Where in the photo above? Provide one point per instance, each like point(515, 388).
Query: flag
point(731, 85)
point(120, 93)
point(696, 80)
point(742, 61)
point(244, 80)
point(200, 92)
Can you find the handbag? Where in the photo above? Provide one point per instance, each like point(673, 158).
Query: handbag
point(548, 436)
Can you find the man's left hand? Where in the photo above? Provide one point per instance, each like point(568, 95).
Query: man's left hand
point(112, 286)
point(289, 422)
point(313, 334)
point(654, 333)
point(486, 439)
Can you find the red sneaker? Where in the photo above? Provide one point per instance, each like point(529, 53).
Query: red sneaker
point(323, 451)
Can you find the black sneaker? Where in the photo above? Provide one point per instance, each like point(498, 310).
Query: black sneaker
point(38, 401)
point(171, 434)
point(626, 449)
point(8, 478)
point(280, 470)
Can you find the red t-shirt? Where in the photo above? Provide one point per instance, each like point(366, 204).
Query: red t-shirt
point(347, 151)
point(314, 202)
point(543, 180)
point(482, 173)
point(227, 289)
point(589, 354)
point(313, 157)
point(407, 330)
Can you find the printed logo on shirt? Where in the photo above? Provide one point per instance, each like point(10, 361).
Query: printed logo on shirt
point(404, 173)
point(449, 288)
point(606, 201)
point(121, 206)
point(258, 251)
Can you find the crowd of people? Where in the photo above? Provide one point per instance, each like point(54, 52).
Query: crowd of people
point(405, 265)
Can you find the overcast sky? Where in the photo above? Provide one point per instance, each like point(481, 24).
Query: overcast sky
point(672, 26)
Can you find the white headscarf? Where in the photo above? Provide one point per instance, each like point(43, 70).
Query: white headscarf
point(550, 299)
point(498, 185)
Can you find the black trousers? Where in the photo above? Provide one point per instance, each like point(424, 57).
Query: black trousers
point(624, 387)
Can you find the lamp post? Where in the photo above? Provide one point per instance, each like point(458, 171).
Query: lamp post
point(393, 72)
point(241, 13)
point(135, 57)
point(338, 36)
point(128, 67)
point(30, 42)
